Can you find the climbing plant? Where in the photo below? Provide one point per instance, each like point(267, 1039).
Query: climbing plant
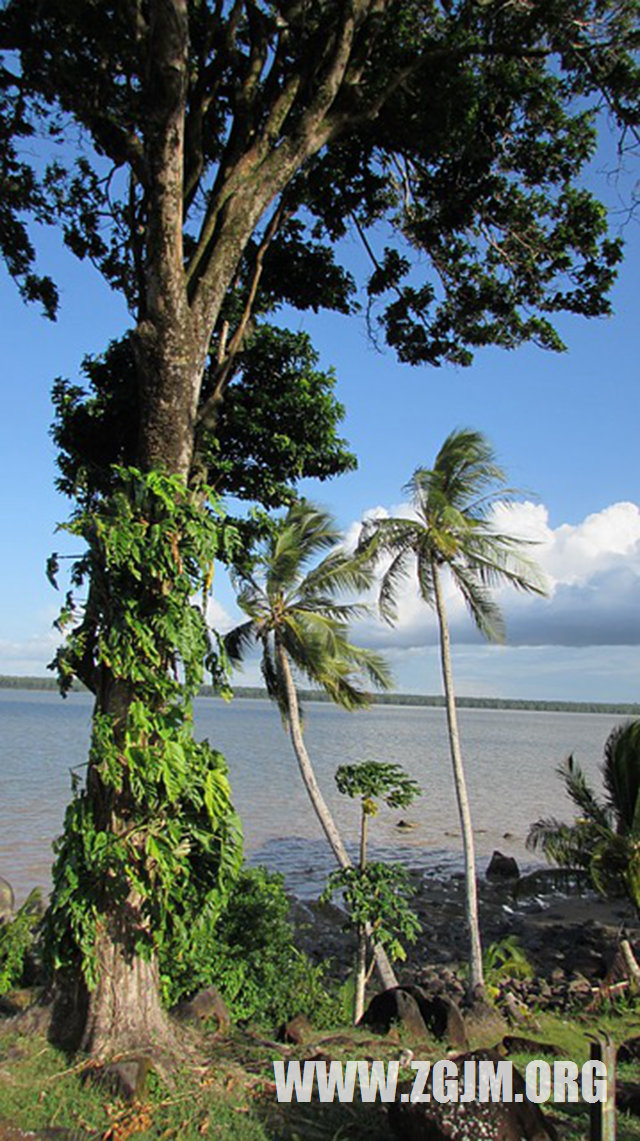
point(154, 827)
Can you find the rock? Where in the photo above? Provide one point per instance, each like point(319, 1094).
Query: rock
point(7, 899)
point(206, 1004)
point(579, 987)
point(297, 1030)
point(392, 1006)
point(469, 1121)
point(502, 867)
point(439, 1012)
point(126, 1079)
point(484, 1022)
point(515, 1008)
point(442, 1017)
point(516, 1045)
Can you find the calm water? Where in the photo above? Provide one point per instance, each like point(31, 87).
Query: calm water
point(510, 759)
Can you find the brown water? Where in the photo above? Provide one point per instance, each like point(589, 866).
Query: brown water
point(510, 759)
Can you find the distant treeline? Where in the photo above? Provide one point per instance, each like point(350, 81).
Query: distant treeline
point(240, 691)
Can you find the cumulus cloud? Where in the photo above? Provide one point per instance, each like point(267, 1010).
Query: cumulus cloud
point(219, 618)
point(592, 571)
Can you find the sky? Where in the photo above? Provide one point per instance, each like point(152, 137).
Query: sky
point(565, 428)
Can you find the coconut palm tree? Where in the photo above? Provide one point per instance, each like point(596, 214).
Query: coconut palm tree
point(605, 838)
point(451, 530)
point(297, 617)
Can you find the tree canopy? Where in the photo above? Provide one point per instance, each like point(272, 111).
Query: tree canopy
point(449, 136)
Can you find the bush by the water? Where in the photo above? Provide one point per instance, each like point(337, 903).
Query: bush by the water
point(18, 936)
point(250, 956)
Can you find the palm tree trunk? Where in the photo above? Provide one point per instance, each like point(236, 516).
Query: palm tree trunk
point(476, 973)
point(383, 966)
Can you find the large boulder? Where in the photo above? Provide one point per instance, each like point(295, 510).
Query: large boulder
point(126, 1079)
point(442, 1017)
point(296, 1031)
point(502, 867)
point(469, 1121)
point(418, 1012)
point(205, 1006)
point(394, 1007)
point(7, 899)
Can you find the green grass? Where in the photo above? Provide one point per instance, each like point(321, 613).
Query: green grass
point(230, 1093)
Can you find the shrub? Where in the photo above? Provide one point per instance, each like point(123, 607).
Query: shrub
point(17, 938)
point(249, 954)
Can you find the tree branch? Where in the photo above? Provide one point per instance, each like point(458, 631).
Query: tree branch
point(210, 411)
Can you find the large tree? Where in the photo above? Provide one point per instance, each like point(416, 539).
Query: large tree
point(209, 153)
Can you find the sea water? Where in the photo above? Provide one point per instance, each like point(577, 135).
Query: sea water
point(510, 759)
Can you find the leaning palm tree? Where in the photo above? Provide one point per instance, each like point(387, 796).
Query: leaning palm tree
point(298, 618)
point(452, 530)
point(604, 840)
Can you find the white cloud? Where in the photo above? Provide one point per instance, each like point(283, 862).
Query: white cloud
point(593, 576)
point(218, 618)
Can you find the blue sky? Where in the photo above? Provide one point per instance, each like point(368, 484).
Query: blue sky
point(565, 427)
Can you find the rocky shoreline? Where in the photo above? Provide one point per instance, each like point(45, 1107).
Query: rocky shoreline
point(564, 935)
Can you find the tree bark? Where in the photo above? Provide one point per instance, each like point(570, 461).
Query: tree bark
point(385, 971)
point(476, 972)
point(125, 1013)
point(124, 1010)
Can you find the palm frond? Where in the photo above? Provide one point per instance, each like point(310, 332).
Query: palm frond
point(621, 775)
point(305, 644)
point(426, 585)
point(344, 612)
point(338, 573)
point(610, 865)
point(483, 610)
point(500, 559)
point(567, 845)
point(396, 573)
point(582, 795)
point(273, 680)
point(602, 840)
point(464, 469)
point(383, 537)
point(304, 532)
point(239, 641)
point(368, 665)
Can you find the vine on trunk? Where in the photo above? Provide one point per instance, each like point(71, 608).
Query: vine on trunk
point(154, 830)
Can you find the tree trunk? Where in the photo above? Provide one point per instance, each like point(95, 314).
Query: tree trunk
point(385, 971)
point(125, 1012)
point(476, 973)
